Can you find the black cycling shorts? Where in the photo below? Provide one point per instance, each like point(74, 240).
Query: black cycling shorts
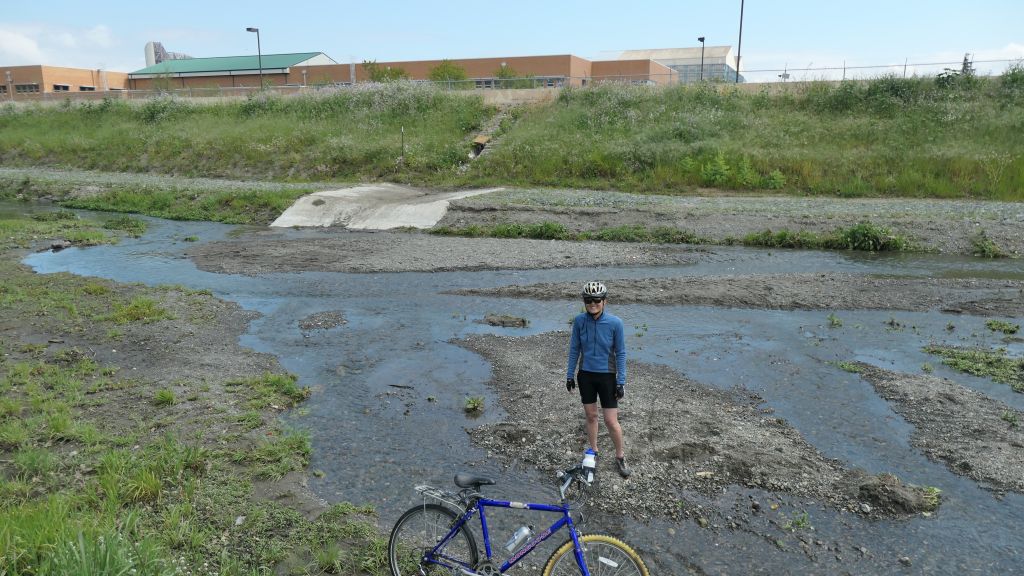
point(597, 384)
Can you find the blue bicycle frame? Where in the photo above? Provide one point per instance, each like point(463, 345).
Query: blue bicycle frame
point(482, 503)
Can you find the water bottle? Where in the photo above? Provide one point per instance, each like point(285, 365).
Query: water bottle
point(589, 464)
point(520, 536)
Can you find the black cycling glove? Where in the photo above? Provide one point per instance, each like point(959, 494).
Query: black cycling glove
point(620, 391)
point(569, 384)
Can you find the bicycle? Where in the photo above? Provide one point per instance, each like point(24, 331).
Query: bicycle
point(434, 538)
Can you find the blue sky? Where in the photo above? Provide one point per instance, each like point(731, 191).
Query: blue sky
point(777, 34)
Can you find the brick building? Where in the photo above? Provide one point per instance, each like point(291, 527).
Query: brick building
point(38, 79)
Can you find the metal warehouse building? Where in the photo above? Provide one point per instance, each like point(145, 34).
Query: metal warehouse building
point(719, 62)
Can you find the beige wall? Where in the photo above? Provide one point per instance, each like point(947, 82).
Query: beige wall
point(74, 78)
point(210, 82)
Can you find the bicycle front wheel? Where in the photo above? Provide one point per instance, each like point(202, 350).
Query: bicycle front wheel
point(604, 555)
point(418, 531)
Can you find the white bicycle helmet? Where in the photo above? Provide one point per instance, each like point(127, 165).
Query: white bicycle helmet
point(594, 290)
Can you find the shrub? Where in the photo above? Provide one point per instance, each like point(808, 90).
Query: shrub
point(715, 172)
point(983, 246)
point(868, 237)
point(133, 226)
point(161, 108)
point(164, 397)
point(474, 405)
point(775, 180)
point(450, 72)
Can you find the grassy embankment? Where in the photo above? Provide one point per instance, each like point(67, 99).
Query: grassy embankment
point(106, 472)
point(949, 137)
point(917, 137)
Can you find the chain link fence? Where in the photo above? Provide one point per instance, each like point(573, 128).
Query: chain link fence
point(753, 79)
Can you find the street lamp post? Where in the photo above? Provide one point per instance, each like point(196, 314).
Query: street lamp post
point(259, 52)
point(701, 40)
point(739, 46)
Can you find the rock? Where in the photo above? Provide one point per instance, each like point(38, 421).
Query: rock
point(905, 560)
point(865, 508)
point(506, 321)
point(58, 245)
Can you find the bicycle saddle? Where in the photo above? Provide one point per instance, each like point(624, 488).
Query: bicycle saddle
point(464, 480)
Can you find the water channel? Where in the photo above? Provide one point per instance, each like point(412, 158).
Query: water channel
point(375, 441)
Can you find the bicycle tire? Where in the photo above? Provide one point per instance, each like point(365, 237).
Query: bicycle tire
point(603, 554)
point(419, 529)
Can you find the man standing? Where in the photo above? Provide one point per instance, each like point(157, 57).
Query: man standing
point(598, 347)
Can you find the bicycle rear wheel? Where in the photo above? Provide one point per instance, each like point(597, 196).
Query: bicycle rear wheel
point(417, 532)
point(604, 556)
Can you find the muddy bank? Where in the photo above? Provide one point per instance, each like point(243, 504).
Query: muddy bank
point(974, 435)
point(341, 251)
point(798, 292)
point(681, 436)
point(947, 226)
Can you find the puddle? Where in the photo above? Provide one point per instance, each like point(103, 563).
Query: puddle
point(390, 390)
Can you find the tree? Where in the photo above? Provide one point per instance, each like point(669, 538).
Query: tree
point(377, 73)
point(509, 78)
point(451, 73)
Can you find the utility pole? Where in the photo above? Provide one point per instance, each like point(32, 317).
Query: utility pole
point(259, 52)
point(701, 40)
point(739, 46)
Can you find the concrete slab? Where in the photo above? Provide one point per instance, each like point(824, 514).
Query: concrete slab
point(372, 207)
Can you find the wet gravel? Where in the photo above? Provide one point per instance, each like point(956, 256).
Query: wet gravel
point(947, 226)
point(681, 436)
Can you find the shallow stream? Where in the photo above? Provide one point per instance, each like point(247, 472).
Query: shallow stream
point(390, 386)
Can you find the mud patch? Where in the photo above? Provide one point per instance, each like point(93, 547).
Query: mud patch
point(680, 435)
point(797, 292)
point(974, 435)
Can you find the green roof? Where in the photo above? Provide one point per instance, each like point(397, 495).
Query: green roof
point(226, 63)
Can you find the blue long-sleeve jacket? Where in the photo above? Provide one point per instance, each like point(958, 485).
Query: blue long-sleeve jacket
point(601, 343)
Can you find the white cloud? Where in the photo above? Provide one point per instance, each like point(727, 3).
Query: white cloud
point(100, 36)
point(19, 48)
point(54, 45)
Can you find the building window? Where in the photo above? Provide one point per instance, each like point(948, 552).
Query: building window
point(61, 88)
point(26, 88)
point(86, 88)
point(3, 89)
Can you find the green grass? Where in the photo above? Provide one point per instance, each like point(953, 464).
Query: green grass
point(344, 134)
point(994, 364)
point(151, 504)
point(139, 309)
point(985, 247)
point(895, 137)
point(164, 397)
point(863, 236)
point(554, 231)
point(271, 390)
point(1002, 326)
point(28, 232)
point(883, 137)
point(133, 226)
